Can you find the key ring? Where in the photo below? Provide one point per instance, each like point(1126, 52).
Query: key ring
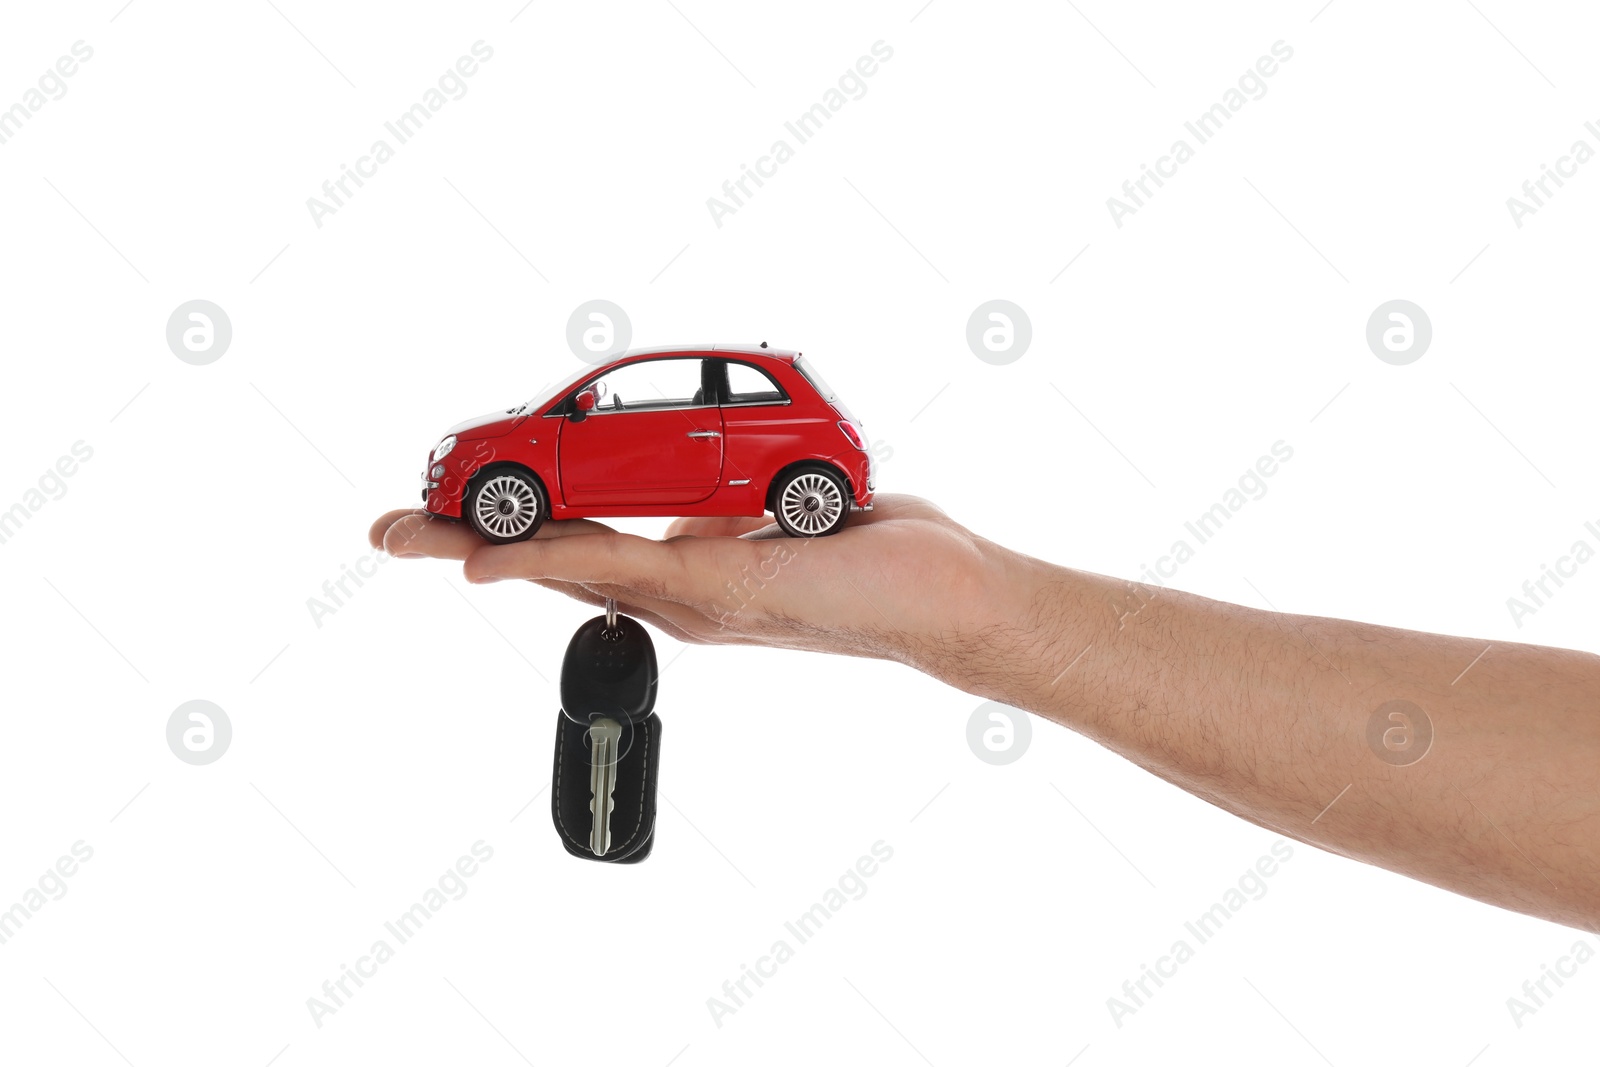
point(611, 615)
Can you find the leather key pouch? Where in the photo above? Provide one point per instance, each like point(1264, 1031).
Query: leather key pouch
point(633, 814)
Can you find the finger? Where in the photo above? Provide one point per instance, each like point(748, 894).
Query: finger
point(687, 623)
point(674, 620)
point(901, 506)
point(717, 525)
point(421, 534)
point(381, 527)
point(571, 527)
point(418, 533)
point(613, 559)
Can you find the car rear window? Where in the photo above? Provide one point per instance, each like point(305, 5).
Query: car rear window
point(748, 384)
point(809, 373)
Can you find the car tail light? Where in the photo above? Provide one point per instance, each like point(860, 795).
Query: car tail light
point(852, 436)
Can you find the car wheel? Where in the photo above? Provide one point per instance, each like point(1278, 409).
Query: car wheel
point(810, 502)
point(506, 505)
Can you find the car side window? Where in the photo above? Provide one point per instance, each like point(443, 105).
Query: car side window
point(652, 385)
point(752, 385)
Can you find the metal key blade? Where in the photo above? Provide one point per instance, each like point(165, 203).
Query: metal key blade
point(605, 736)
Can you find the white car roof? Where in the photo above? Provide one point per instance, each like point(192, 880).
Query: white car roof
point(738, 349)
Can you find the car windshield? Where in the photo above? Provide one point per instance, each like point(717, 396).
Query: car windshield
point(810, 374)
point(555, 389)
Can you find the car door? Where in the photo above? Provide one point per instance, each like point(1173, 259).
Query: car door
point(654, 438)
point(760, 430)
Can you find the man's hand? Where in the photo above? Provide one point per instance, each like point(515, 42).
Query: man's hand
point(900, 582)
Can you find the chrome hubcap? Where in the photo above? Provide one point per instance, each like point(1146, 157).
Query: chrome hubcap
point(811, 503)
point(507, 506)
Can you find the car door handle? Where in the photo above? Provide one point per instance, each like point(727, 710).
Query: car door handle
point(704, 433)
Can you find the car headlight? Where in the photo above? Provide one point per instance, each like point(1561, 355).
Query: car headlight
point(437, 472)
point(445, 447)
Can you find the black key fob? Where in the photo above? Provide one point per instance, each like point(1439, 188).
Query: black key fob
point(608, 742)
point(609, 671)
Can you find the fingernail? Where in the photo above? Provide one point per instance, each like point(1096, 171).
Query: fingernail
point(408, 555)
point(485, 580)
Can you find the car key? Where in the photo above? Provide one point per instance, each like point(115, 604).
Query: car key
point(607, 726)
point(604, 736)
point(609, 670)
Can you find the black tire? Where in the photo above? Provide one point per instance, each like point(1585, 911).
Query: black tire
point(505, 505)
point(811, 501)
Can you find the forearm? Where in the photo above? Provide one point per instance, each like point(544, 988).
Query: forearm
point(1267, 715)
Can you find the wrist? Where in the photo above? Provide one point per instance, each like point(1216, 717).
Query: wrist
point(1012, 632)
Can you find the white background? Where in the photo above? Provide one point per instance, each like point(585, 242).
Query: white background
point(373, 750)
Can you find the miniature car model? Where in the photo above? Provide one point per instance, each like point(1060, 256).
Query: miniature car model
point(699, 430)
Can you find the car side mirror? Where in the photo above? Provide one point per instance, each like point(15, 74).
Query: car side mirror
point(586, 401)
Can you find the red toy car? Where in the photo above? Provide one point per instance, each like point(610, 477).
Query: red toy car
point(702, 430)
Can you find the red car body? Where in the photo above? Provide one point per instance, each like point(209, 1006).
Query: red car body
point(718, 452)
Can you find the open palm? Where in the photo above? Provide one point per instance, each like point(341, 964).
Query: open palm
point(895, 583)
